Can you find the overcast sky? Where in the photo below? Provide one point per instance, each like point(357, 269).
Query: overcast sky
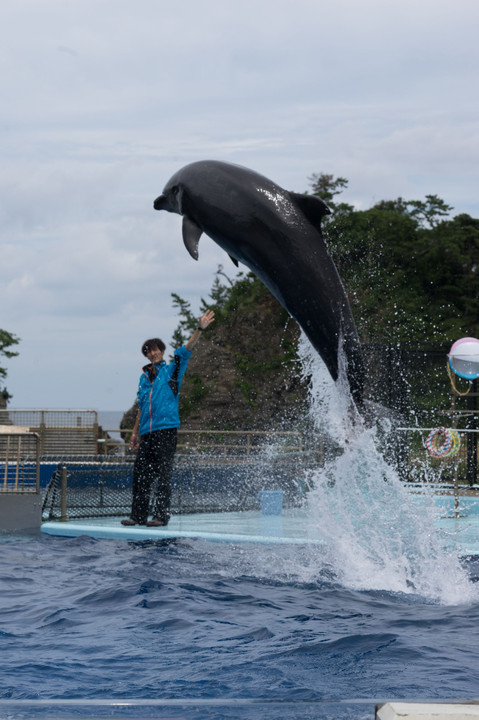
point(102, 101)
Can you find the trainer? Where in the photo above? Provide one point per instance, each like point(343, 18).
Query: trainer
point(156, 427)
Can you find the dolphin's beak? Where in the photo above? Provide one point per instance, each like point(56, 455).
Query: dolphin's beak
point(161, 203)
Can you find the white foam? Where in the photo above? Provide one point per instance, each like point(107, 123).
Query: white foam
point(379, 536)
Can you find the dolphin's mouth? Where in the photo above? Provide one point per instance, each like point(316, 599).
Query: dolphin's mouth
point(161, 203)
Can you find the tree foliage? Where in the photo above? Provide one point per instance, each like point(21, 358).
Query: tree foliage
point(327, 187)
point(411, 274)
point(188, 322)
point(7, 340)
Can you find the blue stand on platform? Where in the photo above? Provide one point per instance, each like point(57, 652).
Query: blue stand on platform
point(271, 502)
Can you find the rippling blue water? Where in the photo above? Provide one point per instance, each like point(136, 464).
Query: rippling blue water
point(84, 618)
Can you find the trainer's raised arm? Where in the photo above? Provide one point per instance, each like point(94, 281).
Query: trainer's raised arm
point(203, 323)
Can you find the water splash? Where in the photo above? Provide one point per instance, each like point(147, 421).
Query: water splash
point(379, 535)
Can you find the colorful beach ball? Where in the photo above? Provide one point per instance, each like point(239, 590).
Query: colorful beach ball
point(464, 358)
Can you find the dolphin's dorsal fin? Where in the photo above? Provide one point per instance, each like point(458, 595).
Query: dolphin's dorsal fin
point(191, 236)
point(313, 207)
point(234, 260)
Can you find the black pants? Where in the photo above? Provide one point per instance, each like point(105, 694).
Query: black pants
point(153, 464)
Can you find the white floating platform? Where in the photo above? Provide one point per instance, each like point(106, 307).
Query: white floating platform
point(249, 526)
point(427, 711)
point(292, 527)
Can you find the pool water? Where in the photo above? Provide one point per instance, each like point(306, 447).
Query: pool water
point(189, 619)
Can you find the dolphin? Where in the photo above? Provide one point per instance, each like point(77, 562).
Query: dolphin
point(277, 235)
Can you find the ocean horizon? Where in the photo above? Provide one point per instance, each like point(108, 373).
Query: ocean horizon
point(110, 419)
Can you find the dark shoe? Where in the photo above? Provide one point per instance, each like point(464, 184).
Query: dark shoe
point(129, 521)
point(156, 522)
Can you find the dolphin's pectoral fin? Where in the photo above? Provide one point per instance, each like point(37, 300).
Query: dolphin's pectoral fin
point(313, 207)
point(191, 236)
point(234, 260)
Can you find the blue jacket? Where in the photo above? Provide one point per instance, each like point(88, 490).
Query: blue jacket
point(159, 392)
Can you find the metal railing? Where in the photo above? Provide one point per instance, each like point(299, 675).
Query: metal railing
point(239, 443)
point(62, 432)
point(101, 486)
point(19, 461)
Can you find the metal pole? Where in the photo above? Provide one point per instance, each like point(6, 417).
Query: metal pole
point(63, 496)
point(19, 444)
point(5, 477)
point(43, 431)
point(37, 463)
point(471, 472)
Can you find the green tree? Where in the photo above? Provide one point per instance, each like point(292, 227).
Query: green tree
point(327, 187)
point(410, 273)
point(430, 212)
point(7, 340)
point(188, 322)
point(219, 294)
point(448, 274)
point(218, 299)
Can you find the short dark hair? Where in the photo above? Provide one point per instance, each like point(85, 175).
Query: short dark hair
point(151, 344)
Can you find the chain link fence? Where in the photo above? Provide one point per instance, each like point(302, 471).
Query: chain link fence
point(86, 487)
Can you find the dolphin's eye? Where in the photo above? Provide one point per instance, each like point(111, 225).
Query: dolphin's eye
point(176, 195)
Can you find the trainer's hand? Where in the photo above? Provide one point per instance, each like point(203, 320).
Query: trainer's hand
point(206, 319)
